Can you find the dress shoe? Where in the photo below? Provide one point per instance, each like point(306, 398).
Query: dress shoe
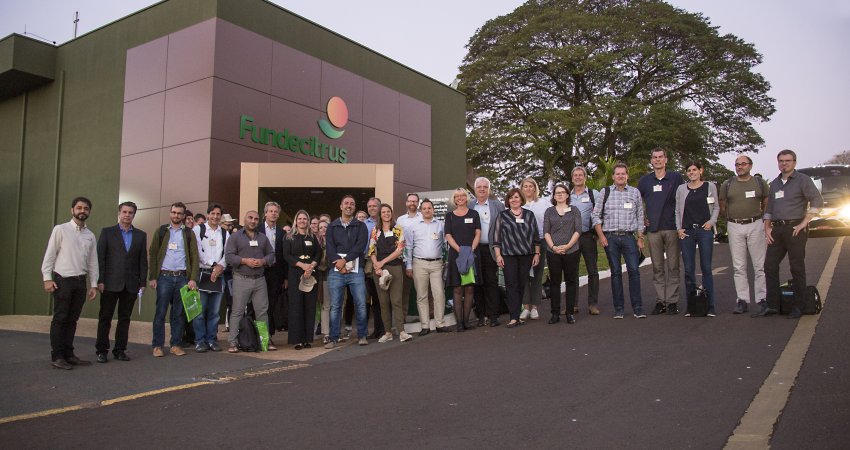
point(74, 361)
point(444, 330)
point(157, 352)
point(594, 310)
point(795, 314)
point(176, 350)
point(764, 311)
point(101, 358)
point(554, 319)
point(571, 319)
point(214, 347)
point(424, 332)
point(741, 307)
point(61, 364)
point(121, 356)
point(494, 322)
point(459, 328)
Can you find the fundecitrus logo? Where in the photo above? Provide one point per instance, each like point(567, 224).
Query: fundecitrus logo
point(338, 117)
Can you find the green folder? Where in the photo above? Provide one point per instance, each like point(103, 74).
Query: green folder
point(191, 302)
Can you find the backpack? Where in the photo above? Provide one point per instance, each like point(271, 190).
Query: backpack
point(187, 234)
point(812, 303)
point(725, 186)
point(698, 303)
point(248, 340)
point(606, 191)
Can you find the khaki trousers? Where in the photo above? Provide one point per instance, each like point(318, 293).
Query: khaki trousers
point(665, 270)
point(429, 274)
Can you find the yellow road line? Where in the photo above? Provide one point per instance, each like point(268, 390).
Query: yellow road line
point(756, 426)
point(45, 413)
point(154, 392)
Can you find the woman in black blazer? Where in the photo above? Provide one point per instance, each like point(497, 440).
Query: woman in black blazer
point(301, 251)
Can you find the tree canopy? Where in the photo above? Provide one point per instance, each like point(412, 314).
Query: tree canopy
point(839, 158)
point(557, 83)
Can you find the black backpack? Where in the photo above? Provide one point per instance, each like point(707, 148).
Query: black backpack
point(698, 303)
point(248, 340)
point(812, 303)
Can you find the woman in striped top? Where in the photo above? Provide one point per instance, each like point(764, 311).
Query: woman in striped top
point(517, 246)
point(561, 230)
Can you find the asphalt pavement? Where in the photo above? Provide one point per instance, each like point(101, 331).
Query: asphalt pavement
point(660, 382)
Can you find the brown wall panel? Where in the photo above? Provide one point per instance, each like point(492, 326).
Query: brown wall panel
point(143, 125)
point(145, 73)
point(191, 54)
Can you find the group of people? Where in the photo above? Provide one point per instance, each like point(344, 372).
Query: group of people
point(373, 261)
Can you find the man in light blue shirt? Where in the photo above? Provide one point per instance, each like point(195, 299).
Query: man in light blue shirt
point(425, 241)
point(584, 199)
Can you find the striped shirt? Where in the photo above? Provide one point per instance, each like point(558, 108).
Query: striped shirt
point(516, 236)
point(623, 211)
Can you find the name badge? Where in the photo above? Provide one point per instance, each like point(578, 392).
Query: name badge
point(253, 243)
point(172, 246)
point(467, 220)
point(388, 234)
point(585, 199)
point(710, 200)
point(656, 188)
point(211, 242)
point(520, 221)
point(780, 194)
point(569, 208)
point(485, 215)
point(434, 236)
point(750, 194)
point(308, 243)
point(628, 205)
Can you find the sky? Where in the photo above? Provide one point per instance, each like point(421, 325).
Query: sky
point(804, 45)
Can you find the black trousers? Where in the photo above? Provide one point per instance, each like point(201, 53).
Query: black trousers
point(374, 306)
point(487, 295)
point(302, 310)
point(795, 247)
point(277, 313)
point(589, 251)
point(563, 267)
point(68, 300)
point(516, 278)
point(108, 300)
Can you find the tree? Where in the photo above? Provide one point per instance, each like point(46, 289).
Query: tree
point(840, 158)
point(561, 82)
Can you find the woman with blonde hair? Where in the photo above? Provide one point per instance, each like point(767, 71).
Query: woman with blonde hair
point(301, 251)
point(533, 293)
point(463, 233)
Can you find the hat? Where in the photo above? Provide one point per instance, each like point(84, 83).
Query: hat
point(384, 281)
point(307, 284)
point(227, 218)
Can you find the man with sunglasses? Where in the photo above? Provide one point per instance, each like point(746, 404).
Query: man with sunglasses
point(794, 200)
point(743, 199)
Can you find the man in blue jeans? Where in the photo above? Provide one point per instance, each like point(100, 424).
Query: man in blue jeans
point(173, 264)
point(618, 220)
point(345, 241)
point(211, 241)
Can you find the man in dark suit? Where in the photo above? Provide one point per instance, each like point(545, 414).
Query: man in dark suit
point(276, 274)
point(487, 295)
point(123, 261)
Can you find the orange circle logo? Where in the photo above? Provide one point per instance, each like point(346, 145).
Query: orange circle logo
point(337, 112)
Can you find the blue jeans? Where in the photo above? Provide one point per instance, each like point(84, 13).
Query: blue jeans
point(704, 239)
point(357, 285)
point(625, 246)
point(168, 294)
point(206, 323)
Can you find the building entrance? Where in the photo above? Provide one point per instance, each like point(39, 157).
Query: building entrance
point(313, 200)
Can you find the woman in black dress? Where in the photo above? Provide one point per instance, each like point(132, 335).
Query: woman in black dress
point(301, 251)
point(463, 233)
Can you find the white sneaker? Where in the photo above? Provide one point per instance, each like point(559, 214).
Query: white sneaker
point(534, 314)
point(404, 337)
point(524, 315)
point(385, 338)
point(346, 334)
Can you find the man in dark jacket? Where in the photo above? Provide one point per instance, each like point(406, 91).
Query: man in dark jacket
point(122, 258)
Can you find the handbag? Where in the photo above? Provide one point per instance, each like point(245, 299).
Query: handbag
point(191, 302)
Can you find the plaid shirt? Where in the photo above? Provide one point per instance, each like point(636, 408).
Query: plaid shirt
point(617, 216)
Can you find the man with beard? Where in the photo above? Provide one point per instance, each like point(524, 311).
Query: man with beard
point(173, 264)
point(70, 256)
point(405, 221)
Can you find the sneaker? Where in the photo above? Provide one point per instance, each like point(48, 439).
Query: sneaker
point(330, 344)
point(534, 314)
point(673, 309)
point(404, 337)
point(176, 350)
point(385, 338)
point(659, 309)
point(618, 315)
point(741, 307)
point(326, 339)
point(215, 347)
point(525, 313)
point(594, 310)
point(201, 347)
point(571, 319)
point(346, 334)
point(640, 315)
point(764, 311)
point(362, 341)
point(711, 312)
point(157, 351)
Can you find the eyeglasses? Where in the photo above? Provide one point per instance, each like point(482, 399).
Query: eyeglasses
point(741, 164)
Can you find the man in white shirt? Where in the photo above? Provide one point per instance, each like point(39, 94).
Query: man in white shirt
point(71, 255)
point(425, 241)
point(211, 240)
point(404, 221)
point(488, 298)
